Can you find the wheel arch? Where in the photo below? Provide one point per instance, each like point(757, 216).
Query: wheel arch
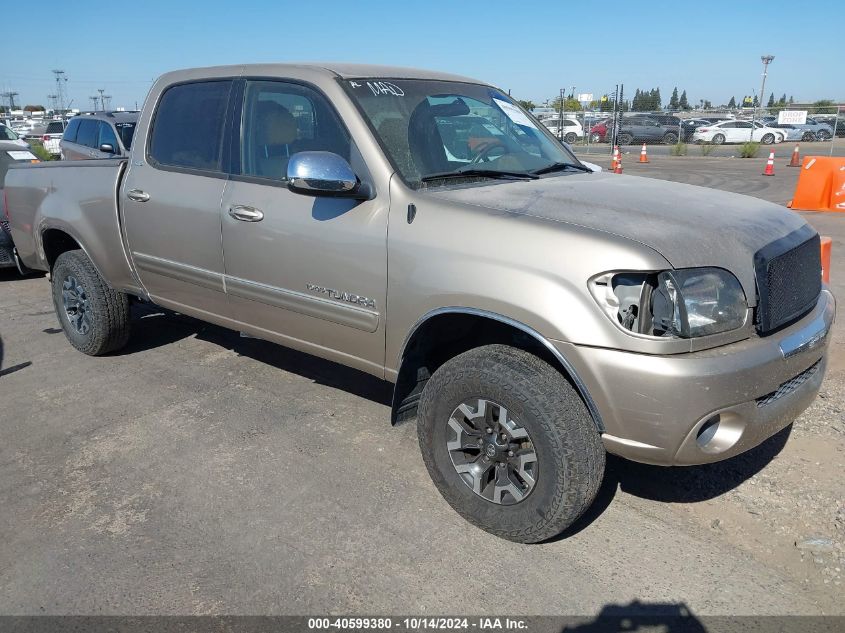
point(55, 241)
point(444, 333)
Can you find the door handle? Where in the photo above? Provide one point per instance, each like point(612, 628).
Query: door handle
point(246, 214)
point(137, 195)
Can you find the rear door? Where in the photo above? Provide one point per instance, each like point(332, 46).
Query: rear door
point(86, 139)
point(171, 200)
point(309, 272)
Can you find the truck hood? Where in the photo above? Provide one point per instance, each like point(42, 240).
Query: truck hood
point(688, 225)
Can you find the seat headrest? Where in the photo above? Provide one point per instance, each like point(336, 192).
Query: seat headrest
point(275, 125)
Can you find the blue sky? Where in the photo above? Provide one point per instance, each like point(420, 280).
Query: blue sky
point(533, 49)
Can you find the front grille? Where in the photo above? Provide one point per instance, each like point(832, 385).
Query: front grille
point(6, 258)
point(789, 278)
point(789, 386)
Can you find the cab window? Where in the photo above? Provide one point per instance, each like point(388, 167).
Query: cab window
point(280, 119)
point(187, 130)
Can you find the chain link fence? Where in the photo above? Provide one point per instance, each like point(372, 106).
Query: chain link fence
point(597, 125)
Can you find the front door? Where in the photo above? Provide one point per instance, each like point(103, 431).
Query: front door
point(309, 272)
point(171, 201)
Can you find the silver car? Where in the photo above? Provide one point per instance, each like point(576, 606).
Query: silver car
point(98, 135)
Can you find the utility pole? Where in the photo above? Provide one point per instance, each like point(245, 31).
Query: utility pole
point(560, 111)
point(106, 102)
point(94, 101)
point(61, 80)
point(11, 97)
point(102, 102)
point(766, 59)
point(53, 99)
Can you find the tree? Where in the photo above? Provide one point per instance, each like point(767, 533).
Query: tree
point(782, 100)
point(34, 108)
point(732, 103)
point(526, 103)
point(824, 106)
point(682, 102)
point(569, 105)
point(705, 103)
point(791, 100)
point(756, 102)
point(771, 103)
point(673, 100)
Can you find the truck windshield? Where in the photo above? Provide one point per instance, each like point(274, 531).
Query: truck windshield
point(432, 128)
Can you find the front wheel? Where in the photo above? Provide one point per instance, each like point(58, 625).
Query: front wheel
point(625, 139)
point(767, 139)
point(94, 317)
point(824, 135)
point(570, 138)
point(808, 137)
point(670, 138)
point(509, 443)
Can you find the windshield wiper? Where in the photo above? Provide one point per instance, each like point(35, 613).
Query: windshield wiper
point(487, 173)
point(560, 167)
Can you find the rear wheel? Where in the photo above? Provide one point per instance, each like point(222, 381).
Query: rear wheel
point(570, 137)
point(808, 137)
point(95, 318)
point(718, 139)
point(509, 443)
point(768, 139)
point(670, 138)
point(824, 135)
point(625, 138)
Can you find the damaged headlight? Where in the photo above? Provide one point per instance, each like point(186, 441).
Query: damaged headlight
point(676, 303)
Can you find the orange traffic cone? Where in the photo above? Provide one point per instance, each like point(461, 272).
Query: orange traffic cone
point(795, 161)
point(643, 155)
point(770, 165)
point(615, 158)
point(618, 168)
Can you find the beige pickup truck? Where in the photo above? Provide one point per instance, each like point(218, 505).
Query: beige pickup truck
point(532, 312)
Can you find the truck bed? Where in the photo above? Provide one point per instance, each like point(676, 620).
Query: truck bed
point(78, 198)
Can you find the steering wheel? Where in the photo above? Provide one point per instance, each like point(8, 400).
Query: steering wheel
point(484, 148)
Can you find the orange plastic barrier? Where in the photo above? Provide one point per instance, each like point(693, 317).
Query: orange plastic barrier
point(826, 244)
point(821, 185)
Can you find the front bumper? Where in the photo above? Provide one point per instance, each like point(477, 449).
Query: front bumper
point(705, 406)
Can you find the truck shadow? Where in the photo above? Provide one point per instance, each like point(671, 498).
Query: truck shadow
point(684, 484)
point(154, 327)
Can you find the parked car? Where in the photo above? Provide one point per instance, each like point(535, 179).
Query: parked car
point(598, 133)
point(644, 129)
point(672, 123)
point(52, 136)
point(540, 314)
point(99, 135)
point(794, 132)
point(8, 135)
point(572, 129)
point(822, 131)
point(737, 132)
point(10, 152)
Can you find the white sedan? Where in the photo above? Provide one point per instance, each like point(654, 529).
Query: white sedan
point(737, 132)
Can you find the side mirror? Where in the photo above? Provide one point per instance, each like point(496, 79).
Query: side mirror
point(107, 148)
point(324, 174)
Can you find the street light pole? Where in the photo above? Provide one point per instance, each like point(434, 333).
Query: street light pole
point(766, 59)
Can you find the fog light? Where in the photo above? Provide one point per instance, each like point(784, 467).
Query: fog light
point(708, 431)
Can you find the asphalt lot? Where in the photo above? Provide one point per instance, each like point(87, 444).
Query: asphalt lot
point(198, 472)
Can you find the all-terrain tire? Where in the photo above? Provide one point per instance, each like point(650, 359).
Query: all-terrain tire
point(108, 310)
point(569, 451)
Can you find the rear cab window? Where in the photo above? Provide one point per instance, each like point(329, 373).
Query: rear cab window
point(188, 126)
point(88, 132)
point(70, 132)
